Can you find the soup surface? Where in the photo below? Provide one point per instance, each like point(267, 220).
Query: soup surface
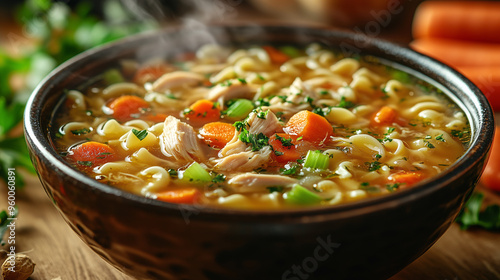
point(260, 127)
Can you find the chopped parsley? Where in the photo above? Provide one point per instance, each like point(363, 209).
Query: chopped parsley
point(392, 187)
point(261, 102)
point(290, 169)
point(218, 178)
point(85, 163)
point(187, 111)
point(82, 131)
point(319, 111)
point(262, 114)
point(242, 81)
point(171, 96)
point(440, 138)
point(346, 104)
point(429, 145)
point(257, 141)
point(471, 214)
point(240, 125)
point(373, 166)
point(103, 155)
point(173, 173)
point(284, 142)
point(278, 153)
point(140, 134)
point(310, 101)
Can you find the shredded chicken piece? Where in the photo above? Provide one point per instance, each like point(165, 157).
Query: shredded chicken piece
point(231, 89)
point(267, 125)
point(298, 91)
point(233, 147)
point(244, 161)
point(176, 79)
point(266, 180)
point(179, 140)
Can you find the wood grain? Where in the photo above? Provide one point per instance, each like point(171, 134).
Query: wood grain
point(60, 255)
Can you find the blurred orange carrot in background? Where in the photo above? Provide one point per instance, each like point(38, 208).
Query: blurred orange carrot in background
point(463, 20)
point(464, 35)
point(459, 53)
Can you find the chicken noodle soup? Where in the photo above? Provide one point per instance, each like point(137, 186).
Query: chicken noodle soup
point(260, 127)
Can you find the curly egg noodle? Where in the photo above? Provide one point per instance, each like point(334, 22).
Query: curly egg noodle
point(260, 128)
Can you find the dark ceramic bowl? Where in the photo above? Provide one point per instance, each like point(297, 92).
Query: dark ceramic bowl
point(370, 239)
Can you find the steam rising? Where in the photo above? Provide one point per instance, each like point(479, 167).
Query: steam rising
point(183, 10)
point(192, 16)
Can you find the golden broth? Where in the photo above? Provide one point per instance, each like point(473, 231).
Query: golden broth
point(375, 130)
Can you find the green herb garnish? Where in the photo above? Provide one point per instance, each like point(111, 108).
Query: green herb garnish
point(140, 134)
point(82, 131)
point(471, 214)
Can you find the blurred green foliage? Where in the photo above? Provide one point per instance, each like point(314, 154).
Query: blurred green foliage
point(53, 33)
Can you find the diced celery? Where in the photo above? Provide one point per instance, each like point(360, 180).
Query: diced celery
point(316, 160)
point(113, 76)
point(239, 109)
point(196, 174)
point(302, 196)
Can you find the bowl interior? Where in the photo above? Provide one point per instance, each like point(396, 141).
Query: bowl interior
point(79, 70)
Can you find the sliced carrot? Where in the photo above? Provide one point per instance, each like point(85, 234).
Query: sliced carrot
point(285, 150)
point(124, 107)
point(217, 134)
point(312, 127)
point(182, 196)
point(385, 116)
point(90, 154)
point(406, 177)
point(458, 53)
point(463, 20)
point(150, 73)
point(203, 111)
point(487, 79)
point(275, 55)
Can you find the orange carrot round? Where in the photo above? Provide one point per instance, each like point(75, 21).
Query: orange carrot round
point(183, 196)
point(385, 116)
point(406, 177)
point(92, 153)
point(217, 134)
point(285, 150)
point(458, 53)
point(124, 107)
point(203, 111)
point(275, 55)
point(462, 20)
point(312, 127)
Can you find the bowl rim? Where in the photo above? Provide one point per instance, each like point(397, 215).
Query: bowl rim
point(479, 145)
